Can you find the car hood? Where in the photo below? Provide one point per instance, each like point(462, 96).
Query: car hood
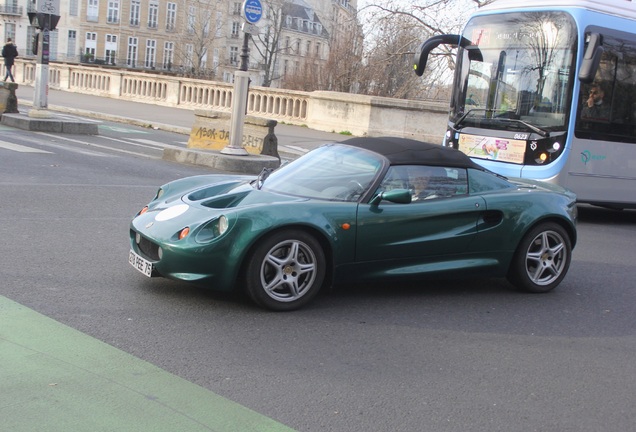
point(234, 194)
point(187, 205)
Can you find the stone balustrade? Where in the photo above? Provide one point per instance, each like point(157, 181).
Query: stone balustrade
point(358, 115)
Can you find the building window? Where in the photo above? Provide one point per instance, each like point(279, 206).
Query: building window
point(171, 16)
point(236, 27)
point(135, 7)
point(90, 46)
point(189, 54)
point(113, 12)
point(9, 31)
point(191, 19)
point(73, 8)
point(206, 26)
point(203, 63)
point(168, 55)
point(234, 56)
point(110, 50)
point(151, 53)
point(92, 10)
point(219, 24)
point(153, 14)
point(236, 9)
point(131, 53)
point(30, 37)
point(71, 46)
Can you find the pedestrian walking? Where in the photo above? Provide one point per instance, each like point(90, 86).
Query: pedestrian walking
point(9, 52)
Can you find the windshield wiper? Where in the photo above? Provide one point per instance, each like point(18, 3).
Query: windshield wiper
point(463, 117)
point(544, 133)
point(265, 172)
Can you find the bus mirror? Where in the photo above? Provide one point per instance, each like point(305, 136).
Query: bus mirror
point(592, 58)
point(474, 53)
point(421, 54)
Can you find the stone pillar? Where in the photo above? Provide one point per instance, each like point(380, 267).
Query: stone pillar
point(8, 99)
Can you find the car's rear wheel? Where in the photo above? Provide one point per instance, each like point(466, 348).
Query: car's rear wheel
point(286, 270)
point(542, 259)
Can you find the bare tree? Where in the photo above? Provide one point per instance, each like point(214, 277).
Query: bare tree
point(343, 67)
point(267, 42)
point(201, 25)
point(395, 29)
point(388, 70)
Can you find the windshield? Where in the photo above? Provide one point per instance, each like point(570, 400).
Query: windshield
point(332, 172)
point(517, 75)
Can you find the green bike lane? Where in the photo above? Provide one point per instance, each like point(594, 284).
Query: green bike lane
point(55, 378)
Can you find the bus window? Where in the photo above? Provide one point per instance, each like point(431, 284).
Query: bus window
point(607, 106)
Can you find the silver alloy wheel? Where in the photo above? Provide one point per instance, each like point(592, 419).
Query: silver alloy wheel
point(546, 257)
point(288, 271)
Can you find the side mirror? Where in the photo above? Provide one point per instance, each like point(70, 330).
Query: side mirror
point(421, 54)
point(592, 58)
point(398, 196)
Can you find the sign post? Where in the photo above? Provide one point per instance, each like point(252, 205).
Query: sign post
point(252, 11)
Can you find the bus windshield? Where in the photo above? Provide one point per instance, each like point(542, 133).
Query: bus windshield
point(522, 78)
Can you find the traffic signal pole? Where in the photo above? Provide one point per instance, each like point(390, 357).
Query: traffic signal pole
point(45, 18)
point(40, 95)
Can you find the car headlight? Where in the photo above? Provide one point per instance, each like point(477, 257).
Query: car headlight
point(223, 225)
point(212, 230)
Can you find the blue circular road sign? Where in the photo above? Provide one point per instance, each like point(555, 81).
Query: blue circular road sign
point(252, 10)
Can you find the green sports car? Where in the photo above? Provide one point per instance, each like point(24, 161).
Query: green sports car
point(364, 209)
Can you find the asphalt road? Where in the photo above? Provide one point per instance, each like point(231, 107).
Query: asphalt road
point(432, 356)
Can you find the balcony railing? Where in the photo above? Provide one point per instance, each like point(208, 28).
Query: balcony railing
point(11, 10)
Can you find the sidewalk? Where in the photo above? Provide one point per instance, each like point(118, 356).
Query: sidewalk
point(295, 140)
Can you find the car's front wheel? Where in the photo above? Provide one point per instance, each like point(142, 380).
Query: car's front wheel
point(542, 259)
point(286, 270)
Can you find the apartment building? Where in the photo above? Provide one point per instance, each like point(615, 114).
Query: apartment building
point(200, 38)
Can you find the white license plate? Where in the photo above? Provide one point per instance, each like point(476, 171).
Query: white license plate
point(140, 263)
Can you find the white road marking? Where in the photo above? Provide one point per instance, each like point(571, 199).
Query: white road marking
point(21, 148)
point(87, 144)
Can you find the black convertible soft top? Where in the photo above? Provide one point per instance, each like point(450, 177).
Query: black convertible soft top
point(404, 151)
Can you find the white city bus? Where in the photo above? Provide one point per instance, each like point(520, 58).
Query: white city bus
point(547, 90)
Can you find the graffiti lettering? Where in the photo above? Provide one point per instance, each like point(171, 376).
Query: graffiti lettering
point(252, 141)
point(214, 134)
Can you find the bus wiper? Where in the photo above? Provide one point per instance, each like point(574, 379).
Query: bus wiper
point(463, 117)
point(544, 133)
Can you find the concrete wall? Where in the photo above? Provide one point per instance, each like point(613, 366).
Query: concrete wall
point(359, 115)
point(375, 116)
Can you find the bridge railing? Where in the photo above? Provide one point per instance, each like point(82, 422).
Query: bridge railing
point(328, 111)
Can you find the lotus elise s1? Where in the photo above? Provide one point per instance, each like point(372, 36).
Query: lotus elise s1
point(365, 209)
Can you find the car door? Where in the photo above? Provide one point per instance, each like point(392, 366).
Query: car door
point(425, 230)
